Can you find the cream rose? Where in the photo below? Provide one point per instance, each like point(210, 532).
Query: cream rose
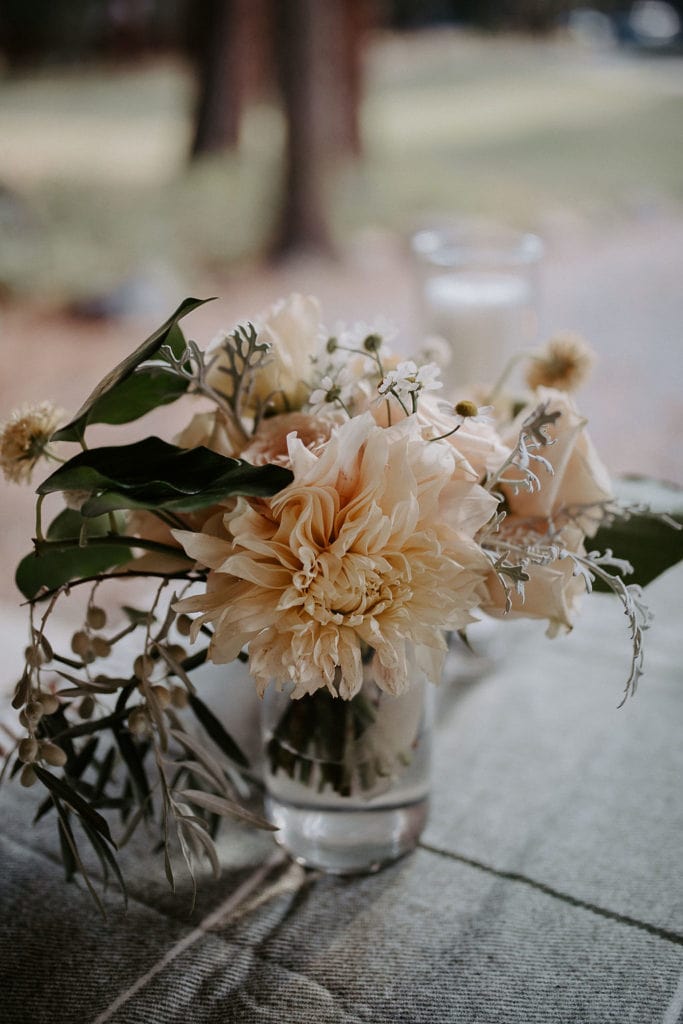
point(579, 482)
point(552, 592)
point(270, 443)
point(567, 508)
point(291, 327)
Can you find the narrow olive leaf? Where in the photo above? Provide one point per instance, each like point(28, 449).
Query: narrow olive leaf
point(68, 859)
point(76, 765)
point(205, 840)
point(91, 726)
point(107, 858)
point(194, 771)
point(66, 831)
point(198, 748)
point(75, 429)
point(74, 769)
point(22, 690)
point(217, 731)
point(134, 762)
point(62, 790)
point(650, 544)
point(104, 773)
point(226, 808)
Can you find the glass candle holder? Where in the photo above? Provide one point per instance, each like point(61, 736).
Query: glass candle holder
point(479, 292)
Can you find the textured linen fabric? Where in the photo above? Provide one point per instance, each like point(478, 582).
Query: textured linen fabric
point(548, 889)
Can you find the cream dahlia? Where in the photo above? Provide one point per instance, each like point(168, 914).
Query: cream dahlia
point(370, 546)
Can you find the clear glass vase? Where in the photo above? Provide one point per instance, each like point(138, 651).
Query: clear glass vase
point(347, 782)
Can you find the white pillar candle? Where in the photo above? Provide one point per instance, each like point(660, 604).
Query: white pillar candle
point(485, 316)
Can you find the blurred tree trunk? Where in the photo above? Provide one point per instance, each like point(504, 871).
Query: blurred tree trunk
point(317, 48)
point(224, 35)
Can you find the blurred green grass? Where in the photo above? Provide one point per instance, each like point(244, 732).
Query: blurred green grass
point(95, 183)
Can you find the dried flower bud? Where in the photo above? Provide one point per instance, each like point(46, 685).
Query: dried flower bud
point(162, 695)
point(97, 617)
point(24, 439)
point(138, 721)
point(87, 706)
point(34, 711)
point(101, 647)
point(28, 750)
point(53, 754)
point(50, 703)
point(332, 345)
point(372, 343)
point(184, 625)
point(28, 777)
point(179, 698)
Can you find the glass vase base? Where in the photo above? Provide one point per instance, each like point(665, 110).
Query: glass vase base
point(347, 842)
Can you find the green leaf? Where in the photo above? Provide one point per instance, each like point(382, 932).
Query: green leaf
point(153, 474)
point(217, 732)
point(55, 568)
point(52, 568)
point(103, 398)
point(651, 546)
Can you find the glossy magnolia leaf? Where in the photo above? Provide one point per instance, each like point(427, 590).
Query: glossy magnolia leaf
point(102, 403)
point(154, 474)
point(651, 546)
point(55, 567)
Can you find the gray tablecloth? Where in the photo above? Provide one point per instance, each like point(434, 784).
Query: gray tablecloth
point(548, 886)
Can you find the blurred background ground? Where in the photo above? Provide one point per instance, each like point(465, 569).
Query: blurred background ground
point(106, 225)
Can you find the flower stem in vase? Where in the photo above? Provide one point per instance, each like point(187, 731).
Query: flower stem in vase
point(347, 780)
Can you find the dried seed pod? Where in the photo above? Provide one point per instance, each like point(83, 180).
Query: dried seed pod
point(142, 666)
point(80, 643)
point(34, 711)
point(50, 703)
point(183, 625)
point(28, 750)
point(53, 754)
point(101, 647)
point(23, 719)
point(87, 706)
point(28, 777)
point(177, 652)
point(96, 617)
point(179, 698)
point(162, 695)
point(34, 656)
point(138, 721)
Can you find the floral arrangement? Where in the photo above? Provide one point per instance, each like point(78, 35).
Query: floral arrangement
point(323, 512)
